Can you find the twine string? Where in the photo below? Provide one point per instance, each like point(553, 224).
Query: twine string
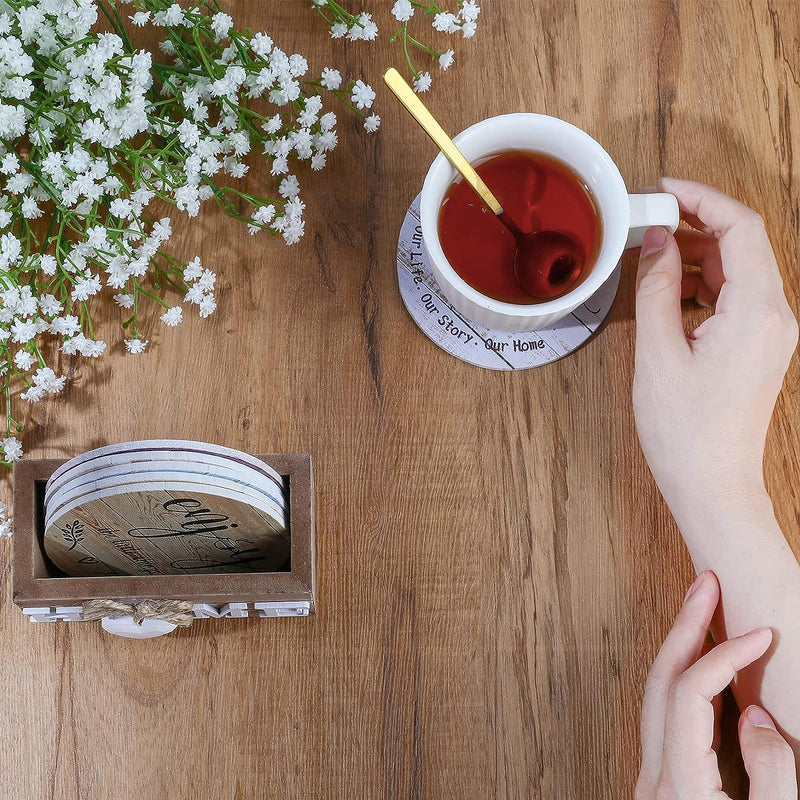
point(178, 612)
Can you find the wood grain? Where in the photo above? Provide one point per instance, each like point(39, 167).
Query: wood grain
point(496, 567)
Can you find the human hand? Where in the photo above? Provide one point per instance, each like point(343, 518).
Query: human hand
point(677, 730)
point(703, 402)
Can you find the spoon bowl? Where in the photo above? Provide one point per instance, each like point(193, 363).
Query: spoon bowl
point(548, 263)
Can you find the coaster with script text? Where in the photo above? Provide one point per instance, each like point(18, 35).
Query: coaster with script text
point(474, 343)
point(166, 529)
point(165, 507)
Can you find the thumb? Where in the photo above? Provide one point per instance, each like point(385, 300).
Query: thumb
point(768, 758)
point(658, 294)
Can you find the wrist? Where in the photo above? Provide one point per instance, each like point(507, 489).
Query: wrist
point(703, 511)
point(712, 483)
point(719, 494)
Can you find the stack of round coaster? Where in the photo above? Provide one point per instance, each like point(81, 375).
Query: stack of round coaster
point(165, 507)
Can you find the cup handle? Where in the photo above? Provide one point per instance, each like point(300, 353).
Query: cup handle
point(648, 210)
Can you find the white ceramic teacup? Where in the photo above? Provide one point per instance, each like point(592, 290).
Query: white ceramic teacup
point(624, 217)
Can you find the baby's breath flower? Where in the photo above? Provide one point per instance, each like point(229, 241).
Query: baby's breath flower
point(207, 280)
point(264, 214)
point(290, 187)
point(261, 45)
point(362, 94)
point(24, 360)
point(193, 270)
point(85, 287)
point(30, 210)
point(446, 59)
point(173, 16)
point(92, 348)
point(372, 123)
point(49, 306)
point(22, 331)
point(9, 164)
point(369, 30)
point(331, 78)
point(208, 305)
point(12, 451)
point(221, 24)
point(136, 345)
point(422, 82)
point(73, 344)
point(298, 65)
point(402, 10)
point(195, 295)
point(5, 522)
point(446, 22)
point(48, 264)
point(172, 316)
point(124, 300)
point(469, 11)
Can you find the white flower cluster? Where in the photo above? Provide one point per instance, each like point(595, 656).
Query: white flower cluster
point(5, 522)
point(346, 25)
point(201, 292)
point(466, 20)
point(362, 96)
point(94, 132)
point(343, 23)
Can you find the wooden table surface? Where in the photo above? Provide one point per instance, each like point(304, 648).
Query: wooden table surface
point(496, 569)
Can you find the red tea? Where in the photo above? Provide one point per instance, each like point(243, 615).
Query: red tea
point(540, 194)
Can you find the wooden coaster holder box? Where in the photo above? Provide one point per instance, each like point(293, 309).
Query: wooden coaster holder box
point(45, 594)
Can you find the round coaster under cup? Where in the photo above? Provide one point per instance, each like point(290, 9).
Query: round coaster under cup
point(474, 343)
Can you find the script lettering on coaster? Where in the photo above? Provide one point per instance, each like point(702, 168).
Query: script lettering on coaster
point(469, 341)
point(166, 532)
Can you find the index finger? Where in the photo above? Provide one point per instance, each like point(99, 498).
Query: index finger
point(714, 211)
point(680, 650)
point(748, 262)
point(690, 716)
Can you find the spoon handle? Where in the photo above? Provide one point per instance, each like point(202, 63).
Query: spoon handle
point(405, 94)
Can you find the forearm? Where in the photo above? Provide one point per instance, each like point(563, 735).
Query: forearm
point(741, 541)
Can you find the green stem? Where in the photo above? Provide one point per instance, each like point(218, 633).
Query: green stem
point(116, 24)
point(85, 310)
point(405, 51)
point(425, 48)
point(9, 418)
point(153, 297)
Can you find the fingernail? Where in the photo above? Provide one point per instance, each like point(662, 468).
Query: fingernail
point(695, 586)
point(756, 715)
point(653, 241)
